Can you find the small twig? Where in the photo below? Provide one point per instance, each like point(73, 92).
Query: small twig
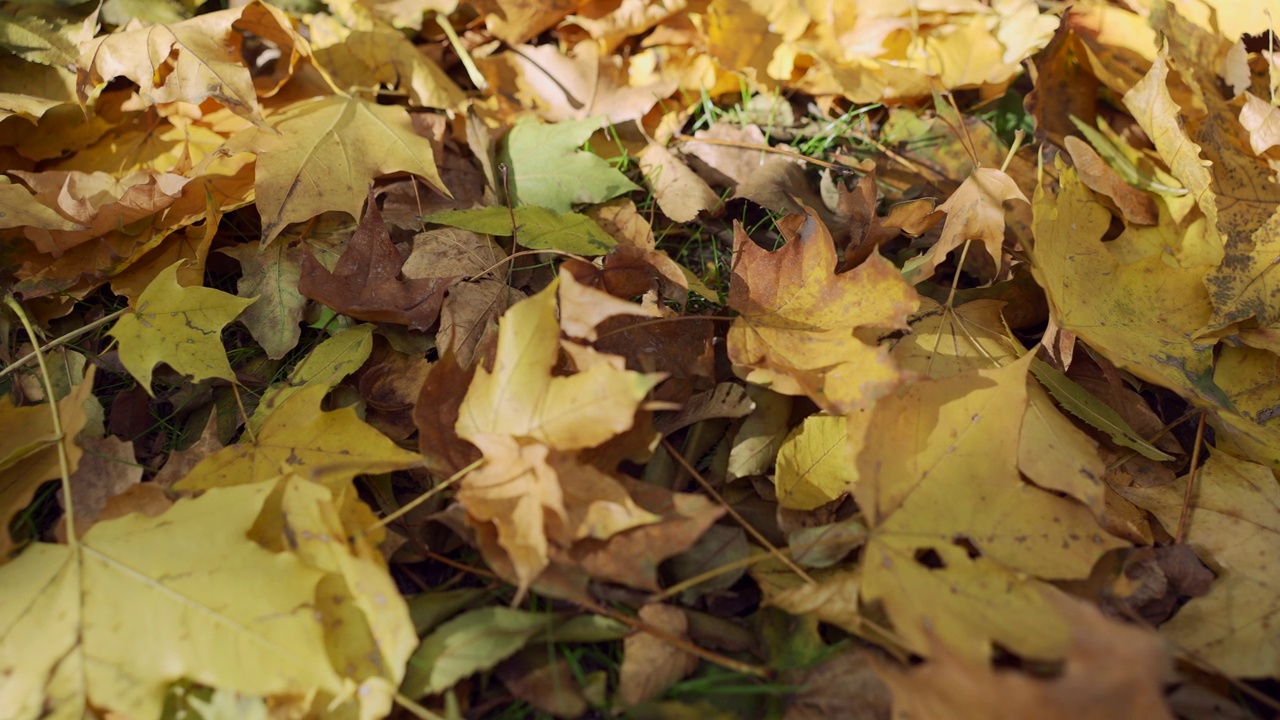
point(678, 642)
point(1018, 136)
point(248, 426)
point(766, 148)
point(60, 341)
point(409, 506)
point(513, 256)
point(760, 538)
point(1191, 482)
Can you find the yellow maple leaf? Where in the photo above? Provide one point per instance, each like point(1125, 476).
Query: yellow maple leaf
point(797, 332)
point(333, 447)
point(1145, 314)
point(28, 450)
point(528, 424)
point(975, 211)
point(520, 398)
point(181, 326)
point(939, 465)
point(145, 601)
point(322, 154)
point(186, 61)
point(1234, 519)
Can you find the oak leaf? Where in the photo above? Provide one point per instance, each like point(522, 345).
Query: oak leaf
point(799, 327)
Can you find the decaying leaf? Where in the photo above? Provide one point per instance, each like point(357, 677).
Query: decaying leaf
point(366, 284)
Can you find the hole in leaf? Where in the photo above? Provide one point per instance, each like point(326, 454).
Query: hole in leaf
point(969, 547)
point(929, 558)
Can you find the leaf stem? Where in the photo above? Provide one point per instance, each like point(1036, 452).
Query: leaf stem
point(59, 341)
point(473, 72)
point(64, 465)
point(409, 506)
point(1191, 482)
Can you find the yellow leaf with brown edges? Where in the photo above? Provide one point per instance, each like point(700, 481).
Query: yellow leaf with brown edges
point(798, 327)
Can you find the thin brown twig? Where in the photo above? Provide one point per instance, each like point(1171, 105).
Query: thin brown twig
point(1191, 482)
point(677, 641)
point(767, 149)
point(760, 538)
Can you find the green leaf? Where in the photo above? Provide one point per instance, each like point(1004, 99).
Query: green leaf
point(474, 641)
point(181, 326)
point(1077, 401)
point(429, 609)
point(548, 170)
point(537, 228)
point(37, 41)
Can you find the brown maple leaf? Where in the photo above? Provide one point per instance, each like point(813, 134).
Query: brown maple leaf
point(366, 283)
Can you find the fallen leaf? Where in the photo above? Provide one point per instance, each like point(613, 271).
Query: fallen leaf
point(650, 665)
point(474, 641)
point(534, 227)
point(96, 202)
point(107, 469)
point(311, 158)
point(680, 194)
point(1136, 206)
point(756, 444)
point(186, 61)
point(547, 684)
point(179, 594)
point(1236, 522)
point(333, 446)
point(945, 468)
point(179, 326)
point(271, 275)
point(366, 284)
point(797, 332)
point(28, 452)
point(325, 366)
point(1112, 671)
point(519, 397)
point(549, 171)
point(814, 462)
point(1154, 341)
point(975, 211)
point(575, 83)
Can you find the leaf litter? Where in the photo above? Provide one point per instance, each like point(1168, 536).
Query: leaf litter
point(639, 357)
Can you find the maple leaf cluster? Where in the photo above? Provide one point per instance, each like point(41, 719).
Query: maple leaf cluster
point(335, 389)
